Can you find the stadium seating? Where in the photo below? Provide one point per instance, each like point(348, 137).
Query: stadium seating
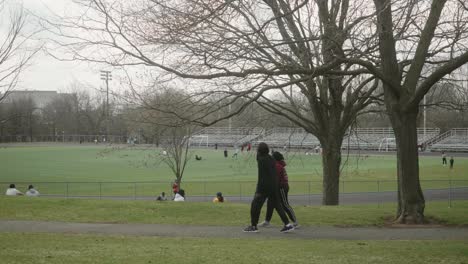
point(454, 140)
point(356, 139)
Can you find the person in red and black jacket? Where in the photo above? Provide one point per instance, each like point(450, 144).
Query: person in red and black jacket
point(175, 187)
point(267, 188)
point(280, 165)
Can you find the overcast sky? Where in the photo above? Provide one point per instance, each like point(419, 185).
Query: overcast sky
point(47, 73)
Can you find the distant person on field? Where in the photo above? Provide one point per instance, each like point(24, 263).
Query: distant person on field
point(219, 198)
point(162, 197)
point(32, 192)
point(444, 158)
point(12, 191)
point(267, 188)
point(225, 152)
point(280, 165)
point(236, 152)
point(180, 196)
point(451, 162)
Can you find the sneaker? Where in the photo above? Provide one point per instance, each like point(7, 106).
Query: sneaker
point(251, 229)
point(296, 225)
point(265, 223)
point(287, 228)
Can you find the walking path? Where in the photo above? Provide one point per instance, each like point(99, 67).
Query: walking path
point(348, 233)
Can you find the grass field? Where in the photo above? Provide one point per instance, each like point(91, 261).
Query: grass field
point(228, 214)
point(134, 170)
point(98, 170)
point(87, 249)
point(81, 248)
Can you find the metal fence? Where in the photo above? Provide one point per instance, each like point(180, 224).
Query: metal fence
point(301, 192)
point(65, 138)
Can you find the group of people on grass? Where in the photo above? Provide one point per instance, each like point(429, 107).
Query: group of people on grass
point(12, 191)
point(179, 194)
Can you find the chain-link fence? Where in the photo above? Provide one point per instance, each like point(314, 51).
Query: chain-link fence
point(301, 192)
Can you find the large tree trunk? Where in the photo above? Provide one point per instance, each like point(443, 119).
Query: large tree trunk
point(410, 197)
point(331, 160)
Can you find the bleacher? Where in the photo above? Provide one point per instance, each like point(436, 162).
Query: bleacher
point(290, 137)
point(225, 136)
point(382, 139)
point(379, 139)
point(454, 140)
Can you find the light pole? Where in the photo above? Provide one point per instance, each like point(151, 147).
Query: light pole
point(106, 76)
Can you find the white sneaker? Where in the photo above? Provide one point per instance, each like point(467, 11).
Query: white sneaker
point(296, 225)
point(264, 224)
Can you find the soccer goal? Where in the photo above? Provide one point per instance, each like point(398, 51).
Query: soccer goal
point(199, 141)
point(386, 143)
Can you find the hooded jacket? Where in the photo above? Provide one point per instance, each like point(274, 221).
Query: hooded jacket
point(267, 176)
point(282, 175)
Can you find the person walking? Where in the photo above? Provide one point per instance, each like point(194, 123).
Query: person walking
point(267, 188)
point(444, 158)
point(451, 162)
point(280, 165)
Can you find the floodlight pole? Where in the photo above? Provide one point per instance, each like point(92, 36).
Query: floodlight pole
point(106, 76)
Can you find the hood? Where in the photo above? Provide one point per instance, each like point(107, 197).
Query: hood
point(281, 162)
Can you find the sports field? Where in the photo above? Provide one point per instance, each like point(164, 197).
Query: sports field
point(99, 170)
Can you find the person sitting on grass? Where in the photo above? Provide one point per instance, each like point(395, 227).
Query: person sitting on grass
point(219, 198)
point(180, 196)
point(175, 188)
point(162, 197)
point(32, 192)
point(12, 191)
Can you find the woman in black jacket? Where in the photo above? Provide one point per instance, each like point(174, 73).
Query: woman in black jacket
point(267, 187)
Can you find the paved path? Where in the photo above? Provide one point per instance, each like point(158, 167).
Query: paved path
point(354, 233)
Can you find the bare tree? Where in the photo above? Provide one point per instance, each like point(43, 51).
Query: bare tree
point(155, 116)
point(14, 52)
point(420, 43)
point(279, 54)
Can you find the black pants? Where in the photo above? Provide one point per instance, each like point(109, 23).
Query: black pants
point(259, 200)
point(284, 203)
point(444, 161)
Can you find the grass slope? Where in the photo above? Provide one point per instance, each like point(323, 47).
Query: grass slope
point(228, 214)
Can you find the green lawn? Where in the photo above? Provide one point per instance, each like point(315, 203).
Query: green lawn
point(229, 214)
point(97, 170)
point(80, 248)
point(87, 249)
